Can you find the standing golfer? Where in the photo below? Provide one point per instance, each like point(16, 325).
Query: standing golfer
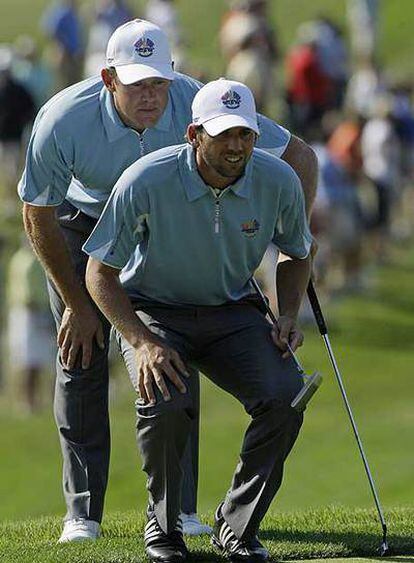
point(188, 225)
point(82, 141)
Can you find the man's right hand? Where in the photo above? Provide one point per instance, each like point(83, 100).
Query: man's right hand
point(76, 333)
point(155, 360)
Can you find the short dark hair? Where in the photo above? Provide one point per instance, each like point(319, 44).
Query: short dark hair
point(198, 128)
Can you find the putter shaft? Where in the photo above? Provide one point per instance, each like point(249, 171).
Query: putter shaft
point(320, 321)
point(358, 439)
point(311, 382)
point(274, 321)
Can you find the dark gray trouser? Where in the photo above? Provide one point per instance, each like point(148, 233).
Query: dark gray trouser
point(232, 345)
point(81, 404)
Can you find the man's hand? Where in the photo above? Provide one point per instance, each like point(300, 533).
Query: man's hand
point(155, 361)
point(77, 332)
point(286, 332)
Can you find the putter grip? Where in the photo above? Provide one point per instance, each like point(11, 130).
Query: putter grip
point(316, 308)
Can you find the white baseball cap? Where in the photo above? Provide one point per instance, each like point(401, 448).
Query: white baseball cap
point(139, 49)
point(222, 104)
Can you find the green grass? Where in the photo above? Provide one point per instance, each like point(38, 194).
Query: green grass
point(324, 533)
point(371, 336)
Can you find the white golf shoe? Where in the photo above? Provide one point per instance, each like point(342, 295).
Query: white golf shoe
point(80, 529)
point(192, 525)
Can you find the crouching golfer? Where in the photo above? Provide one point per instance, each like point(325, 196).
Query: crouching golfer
point(188, 225)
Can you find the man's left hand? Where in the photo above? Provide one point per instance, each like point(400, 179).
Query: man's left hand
point(286, 332)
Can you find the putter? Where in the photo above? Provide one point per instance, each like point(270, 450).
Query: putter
point(320, 321)
point(311, 382)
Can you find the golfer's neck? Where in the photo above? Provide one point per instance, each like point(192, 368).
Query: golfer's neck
point(211, 177)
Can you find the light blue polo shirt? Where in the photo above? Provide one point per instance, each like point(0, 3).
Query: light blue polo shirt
point(79, 146)
point(179, 243)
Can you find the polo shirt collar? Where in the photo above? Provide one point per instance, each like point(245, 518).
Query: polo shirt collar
point(113, 124)
point(194, 185)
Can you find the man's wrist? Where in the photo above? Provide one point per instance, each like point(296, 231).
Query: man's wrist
point(78, 301)
point(140, 337)
point(289, 315)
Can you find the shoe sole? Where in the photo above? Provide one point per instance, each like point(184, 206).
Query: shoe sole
point(158, 560)
point(75, 540)
point(166, 560)
point(162, 560)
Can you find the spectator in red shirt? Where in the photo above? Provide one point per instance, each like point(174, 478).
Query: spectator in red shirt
point(309, 89)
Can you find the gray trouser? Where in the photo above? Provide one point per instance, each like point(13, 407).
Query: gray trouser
point(232, 346)
point(81, 404)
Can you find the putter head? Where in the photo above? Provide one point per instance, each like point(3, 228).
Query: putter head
point(308, 390)
point(383, 549)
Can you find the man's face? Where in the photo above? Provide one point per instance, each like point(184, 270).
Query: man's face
point(140, 105)
point(223, 158)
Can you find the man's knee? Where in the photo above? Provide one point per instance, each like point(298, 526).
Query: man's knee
point(276, 415)
point(94, 377)
point(180, 403)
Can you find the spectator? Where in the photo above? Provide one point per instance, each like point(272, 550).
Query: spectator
point(108, 15)
point(16, 113)
point(333, 56)
point(248, 45)
point(381, 160)
point(404, 123)
point(340, 173)
point(364, 86)
point(257, 9)
point(31, 338)
point(249, 66)
point(30, 70)
point(309, 88)
point(363, 27)
point(62, 24)
point(164, 14)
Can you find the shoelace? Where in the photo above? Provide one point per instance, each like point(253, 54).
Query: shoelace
point(79, 523)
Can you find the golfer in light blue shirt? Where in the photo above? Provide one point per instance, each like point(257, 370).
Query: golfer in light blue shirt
point(188, 226)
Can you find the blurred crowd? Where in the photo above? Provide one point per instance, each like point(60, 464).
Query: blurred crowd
point(327, 87)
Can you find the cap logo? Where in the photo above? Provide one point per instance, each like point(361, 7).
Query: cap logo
point(144, 47)
point(231, 99)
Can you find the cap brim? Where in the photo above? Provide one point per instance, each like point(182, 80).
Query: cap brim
point(128, 74)
point(217, 125)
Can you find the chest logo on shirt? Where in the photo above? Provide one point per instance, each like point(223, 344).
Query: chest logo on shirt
point(144, 47)
point(250, 228)
point(231, 99)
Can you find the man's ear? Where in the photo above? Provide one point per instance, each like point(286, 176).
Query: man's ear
point(192, 136)
point(108, 79)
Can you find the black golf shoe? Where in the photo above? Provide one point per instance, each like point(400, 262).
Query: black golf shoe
point(164, 548)
point(247, 551)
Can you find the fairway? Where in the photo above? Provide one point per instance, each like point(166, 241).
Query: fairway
point(324, 468)
point(316, 534)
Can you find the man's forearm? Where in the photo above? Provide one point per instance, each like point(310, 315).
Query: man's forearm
point(50, 246)
point(304, 162)
point(291, 282)
point(106, 290)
